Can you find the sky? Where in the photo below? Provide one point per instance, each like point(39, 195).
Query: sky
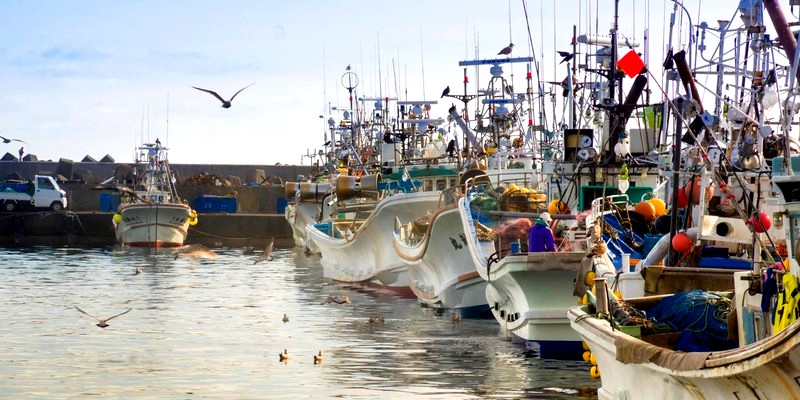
point(97, 77)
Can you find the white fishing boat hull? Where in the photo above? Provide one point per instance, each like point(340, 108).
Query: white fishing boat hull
point(366, 255)
point(768, 369)
point(152, 224)
point(441, 269)
point(299, 216)
point(529, 295)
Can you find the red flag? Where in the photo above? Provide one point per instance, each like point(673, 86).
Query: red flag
point(631, 64)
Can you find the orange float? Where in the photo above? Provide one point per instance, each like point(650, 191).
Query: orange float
point(557, 207)
point(647, 209)
point(682, 243)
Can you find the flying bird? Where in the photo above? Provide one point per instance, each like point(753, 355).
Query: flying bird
point(102, 322)
point(328, 143)
point(195, 252)
point(445, 92)
point(565, 56)
point(506, 50)
point(267, 254)
point(338, 299)
point(225, 103)
point(7, 140)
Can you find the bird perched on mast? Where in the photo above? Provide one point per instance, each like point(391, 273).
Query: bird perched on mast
point(506, 50)
point(225, 103)
point(445, 92)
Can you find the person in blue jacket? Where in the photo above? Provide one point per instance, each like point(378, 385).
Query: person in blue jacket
point(540, 237)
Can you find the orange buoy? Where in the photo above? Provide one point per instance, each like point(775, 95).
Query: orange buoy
point(683, 199)
point(647, 209)
point(659, 205)
point(594, 372)
point(557, 207)
point(761, 222)
point(587, 356)
point(693, 187)
point(682, 243)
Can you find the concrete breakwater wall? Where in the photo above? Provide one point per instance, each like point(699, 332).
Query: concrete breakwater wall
point(82, 197)
point(101, 171)
point(256, 218)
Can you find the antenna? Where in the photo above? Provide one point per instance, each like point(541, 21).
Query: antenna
point(422, 58)
point(167, 119)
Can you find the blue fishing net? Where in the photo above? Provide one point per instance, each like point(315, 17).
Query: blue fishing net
point(700, 316)
point(619, 244)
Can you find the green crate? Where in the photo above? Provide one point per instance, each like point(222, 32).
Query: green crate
point(632, 330)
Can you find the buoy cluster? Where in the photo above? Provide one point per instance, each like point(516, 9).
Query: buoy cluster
point(594, 372)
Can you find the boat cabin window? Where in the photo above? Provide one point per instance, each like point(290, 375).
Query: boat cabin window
point(428, 185)
point(441, 184)
point(44, 183)
point(452, 182)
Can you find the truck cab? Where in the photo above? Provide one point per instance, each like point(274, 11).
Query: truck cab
point(42, 192)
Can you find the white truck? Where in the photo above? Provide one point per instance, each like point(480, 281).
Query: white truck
point(42, 192)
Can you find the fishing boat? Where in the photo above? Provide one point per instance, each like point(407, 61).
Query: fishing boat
point(719, 318)
point(151, 214)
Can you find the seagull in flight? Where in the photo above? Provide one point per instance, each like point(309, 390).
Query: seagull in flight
point(225, 103)
point(7, 140)
point(566, 56)
point(267, 254)
point(506, 50)
point(445, 92)
point(103, 322)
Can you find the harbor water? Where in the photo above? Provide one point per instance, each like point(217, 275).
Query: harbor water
point(213, 329)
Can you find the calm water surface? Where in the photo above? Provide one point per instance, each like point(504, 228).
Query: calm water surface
point(213, 329)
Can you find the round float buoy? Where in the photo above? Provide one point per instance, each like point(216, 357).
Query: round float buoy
point(683, 200)
point(594, 372)
point(761, 222)
point(693, 186)
point(590, 277)
point(647, 209)
point(587, 356)
point(557, 207)
point(117, 218)
point(592, 359)
point(584, 345)
point(682, 243)
point(659, 205)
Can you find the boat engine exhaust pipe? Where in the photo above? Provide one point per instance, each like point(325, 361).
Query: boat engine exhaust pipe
point(686, 77)
point(785, 36)
point(625, 110)
point(463, 125)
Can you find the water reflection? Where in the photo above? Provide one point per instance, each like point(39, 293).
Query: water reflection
point(213, 328)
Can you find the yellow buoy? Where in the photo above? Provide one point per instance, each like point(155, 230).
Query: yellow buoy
point(117, 218)
point(193, 221)
point(590, 277)
point(585, 299)
point(618, 294)
point(584, 345)
point(587, 356)
point(592, 359)
point(594, 372)
point(557, 207)
point(660, 206)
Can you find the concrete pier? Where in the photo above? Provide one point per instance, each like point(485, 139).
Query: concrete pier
point(257, 218)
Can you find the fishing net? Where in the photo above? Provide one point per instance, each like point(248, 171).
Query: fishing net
point(700, 316)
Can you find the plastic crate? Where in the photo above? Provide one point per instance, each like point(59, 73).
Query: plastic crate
point(215, 204)
point(109, 202)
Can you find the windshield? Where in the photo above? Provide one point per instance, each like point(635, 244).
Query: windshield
point(44, 183)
